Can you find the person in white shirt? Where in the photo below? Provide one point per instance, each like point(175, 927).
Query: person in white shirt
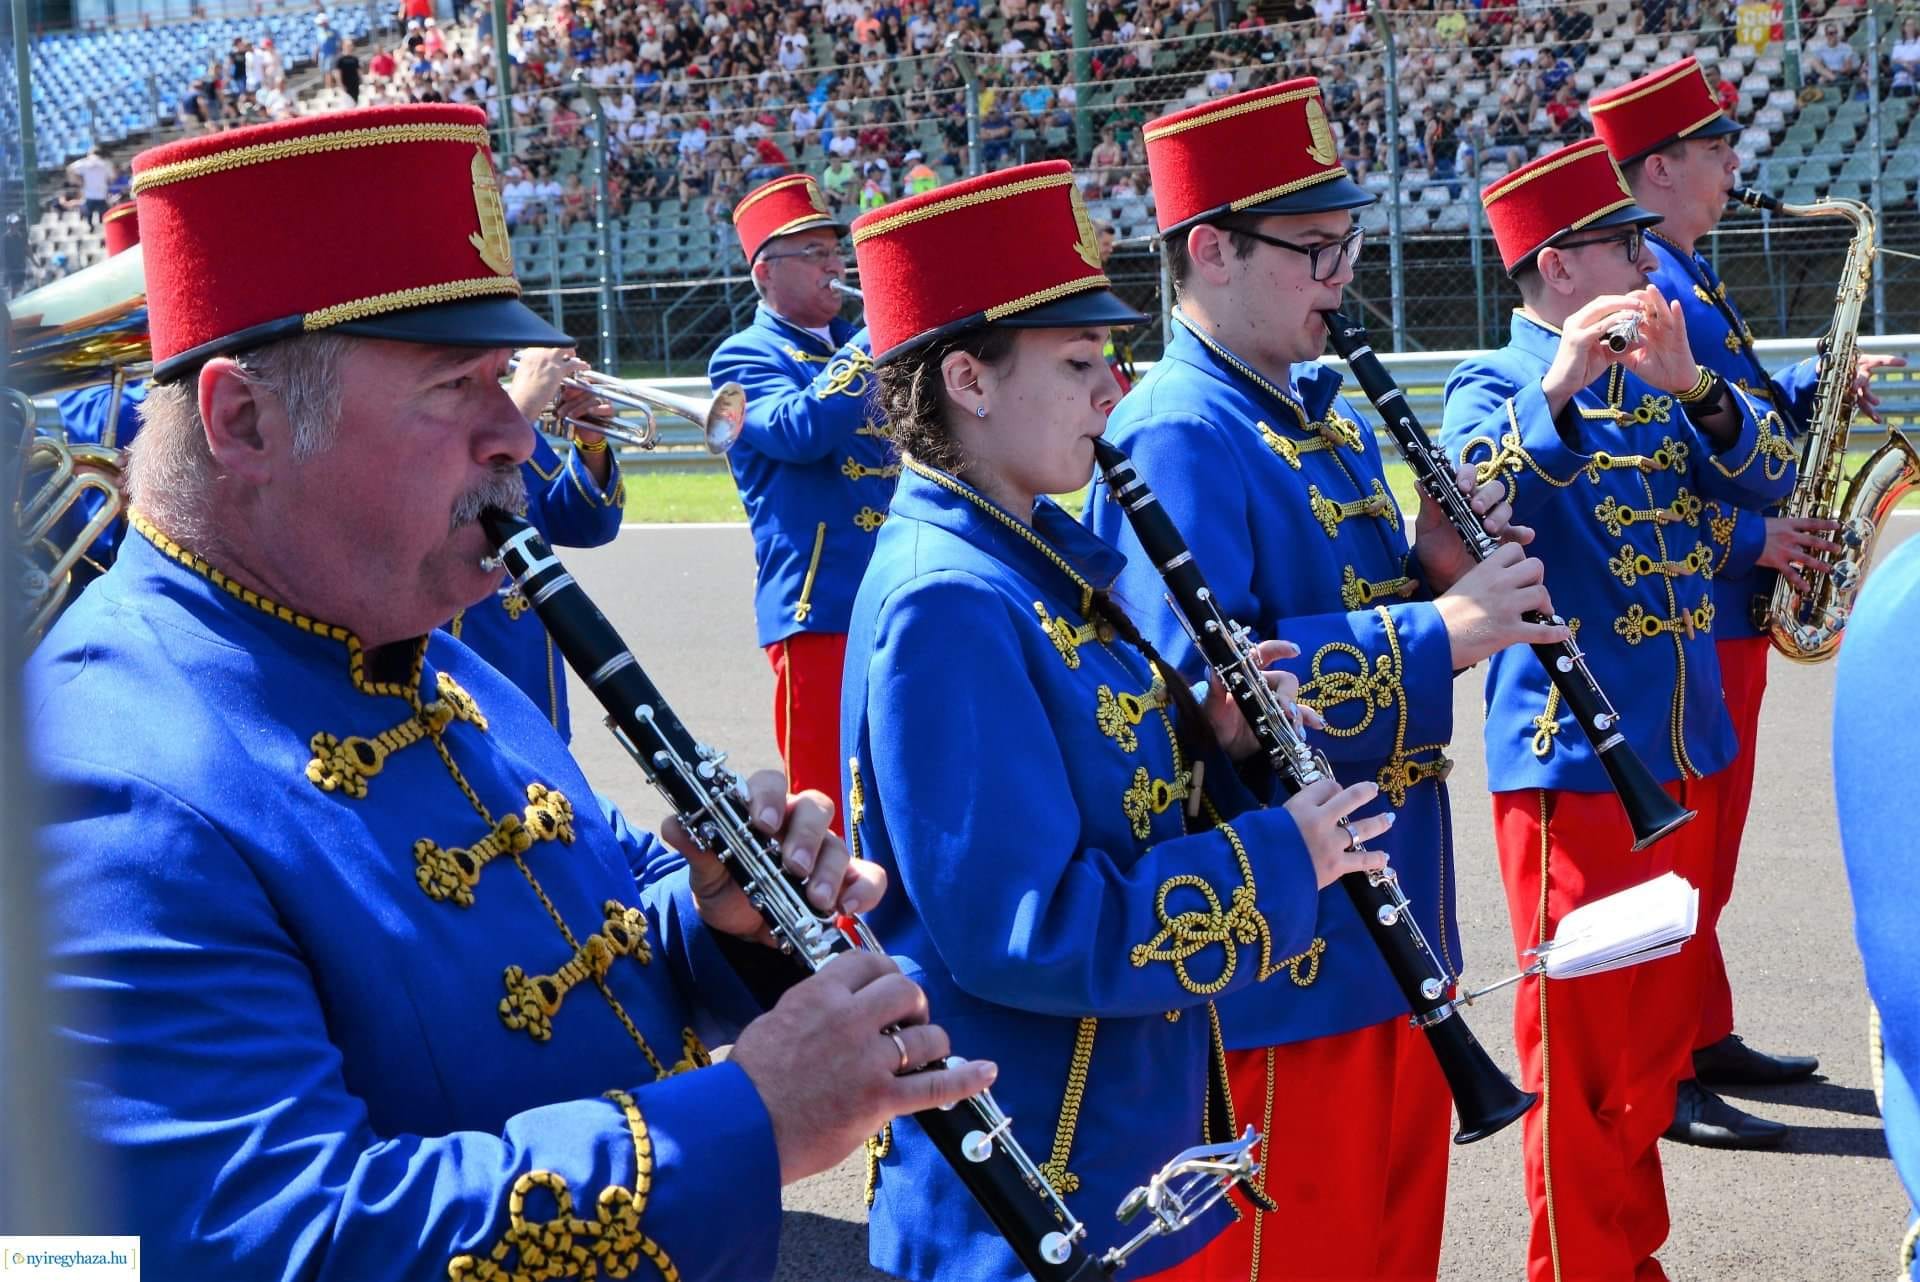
point(843, 144)
point(803, 120)
point(94, 172)
point(922, 30)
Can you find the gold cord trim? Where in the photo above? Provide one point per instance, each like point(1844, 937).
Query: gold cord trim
point(796, 180)
point(952, 204)
point(1096, 281)
point(1652, 86)
point(451, 873)
point(1507, 186)
point(338, 140)
point(1287, 189)
point(419, 296)
point(532, 1001)
point(1054, 1169)
point(1206, 118)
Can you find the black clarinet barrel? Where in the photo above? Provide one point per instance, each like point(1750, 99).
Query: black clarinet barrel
point(1651, 812)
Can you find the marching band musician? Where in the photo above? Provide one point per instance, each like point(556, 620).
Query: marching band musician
point(1875, 736)
point(573, 501)
point(814, 473)
point(1282, 496)
point(1670, 138)
point(1611, 457)
point(102, 414)
point(361, 978)
point(1078, 873)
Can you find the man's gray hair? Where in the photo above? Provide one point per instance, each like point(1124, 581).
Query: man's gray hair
point(171, 472)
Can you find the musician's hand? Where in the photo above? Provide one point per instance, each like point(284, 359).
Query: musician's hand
point(579, 404)
point(1794, 548)
point(1864, 398)
point(1583, 354)
point(1230, 728)
point(1663, 356)
point(1320, 810)
point(827, 1073)
point(537, 377)
point(1443, 556)
point(1483, 609)
point(835, 880)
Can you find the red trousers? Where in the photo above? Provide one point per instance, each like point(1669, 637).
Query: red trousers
point(1743, 681)
point(806, 711)
point(1604, 1051)
point(1355, 1154)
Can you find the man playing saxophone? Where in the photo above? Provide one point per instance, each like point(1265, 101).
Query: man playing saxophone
point(1676, 149)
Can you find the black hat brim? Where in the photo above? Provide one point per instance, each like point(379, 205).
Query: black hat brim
point(1626, 216)
point(1088, 307)
point(478, 322)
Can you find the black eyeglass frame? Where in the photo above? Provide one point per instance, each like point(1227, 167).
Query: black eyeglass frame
point(1347, 247)
point(1633, 240)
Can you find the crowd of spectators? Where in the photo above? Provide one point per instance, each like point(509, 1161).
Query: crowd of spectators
point(705, 100)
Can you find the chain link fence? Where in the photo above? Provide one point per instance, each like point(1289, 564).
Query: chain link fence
point(629, 247)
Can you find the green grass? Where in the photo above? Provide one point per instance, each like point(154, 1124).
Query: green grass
point(691, 493)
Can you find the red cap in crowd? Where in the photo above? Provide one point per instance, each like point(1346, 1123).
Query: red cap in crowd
point(782, 207)
point(1014, 248)
point(1267, 151)
point(1660, 107)
point(385, 223)
point(1528, 213)
point(122, 227)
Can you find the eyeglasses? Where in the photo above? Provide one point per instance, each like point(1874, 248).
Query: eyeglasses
point(1323, 260)
point(1631, 242)
point(817, 256)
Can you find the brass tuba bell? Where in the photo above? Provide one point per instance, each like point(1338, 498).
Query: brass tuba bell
point(88, 328)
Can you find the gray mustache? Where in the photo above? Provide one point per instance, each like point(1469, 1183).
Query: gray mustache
point(506, 491)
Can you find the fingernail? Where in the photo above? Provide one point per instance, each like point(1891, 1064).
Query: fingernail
point(802, 860)
point(1391, 816)
point(770, 816)
point(848, 904)
point(820, 895)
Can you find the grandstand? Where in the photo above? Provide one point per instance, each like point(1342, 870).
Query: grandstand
point(1432, 101)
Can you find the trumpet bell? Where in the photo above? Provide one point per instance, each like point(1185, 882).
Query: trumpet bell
point(81, 329)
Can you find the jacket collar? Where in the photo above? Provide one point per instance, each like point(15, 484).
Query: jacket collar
point(1305, 399)
point(766, 318)
point(1056, 550)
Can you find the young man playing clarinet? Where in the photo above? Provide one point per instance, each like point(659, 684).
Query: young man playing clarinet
point(1675, 146)
point(1281, 494)
point(1610, 456)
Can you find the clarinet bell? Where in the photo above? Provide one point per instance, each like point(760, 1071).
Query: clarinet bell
point(1484, 1098)
point(1650, 810)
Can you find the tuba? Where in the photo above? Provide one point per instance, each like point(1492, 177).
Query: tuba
point(87, 328)
point(1806, 627)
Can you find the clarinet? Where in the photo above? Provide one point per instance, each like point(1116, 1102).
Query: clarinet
point(976, 1136)
point(1652, 813)
point(1483, 1096)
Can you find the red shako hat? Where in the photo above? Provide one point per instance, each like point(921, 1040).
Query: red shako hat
point(122, 227)
point(1660, 107)
point(782, 207)
point(1015, 247)
point(1527, 212)
point(384, 222)
point(1267, 151)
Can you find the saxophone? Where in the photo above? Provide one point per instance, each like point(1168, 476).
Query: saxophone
point(1806, 627)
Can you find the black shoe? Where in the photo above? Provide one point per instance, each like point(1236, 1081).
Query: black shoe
point(1702, 1118)
point(1731, 1062)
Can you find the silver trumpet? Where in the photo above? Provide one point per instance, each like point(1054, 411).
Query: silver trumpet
point(1623, 331)
point(720, 416)
point(839, 286)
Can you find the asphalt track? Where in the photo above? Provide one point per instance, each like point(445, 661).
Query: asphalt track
point(1827, 1209)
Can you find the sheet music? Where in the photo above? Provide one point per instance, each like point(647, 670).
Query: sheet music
point(1639, 924)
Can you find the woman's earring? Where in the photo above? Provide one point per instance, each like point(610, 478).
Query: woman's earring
point(979, 411)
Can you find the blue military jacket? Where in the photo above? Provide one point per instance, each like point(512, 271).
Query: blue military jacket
point(570, 510)
point(1722, 342)
point(1283, 499)
point(1875, 738)
point(85, 417)
point(360, 980)
point(1015, 772)
point(1616, 493)
point(814, 474)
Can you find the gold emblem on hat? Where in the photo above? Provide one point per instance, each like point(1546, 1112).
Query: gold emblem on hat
point(814, 197)
point(495, 249)
point(1321, 151)
point(1088, 244)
